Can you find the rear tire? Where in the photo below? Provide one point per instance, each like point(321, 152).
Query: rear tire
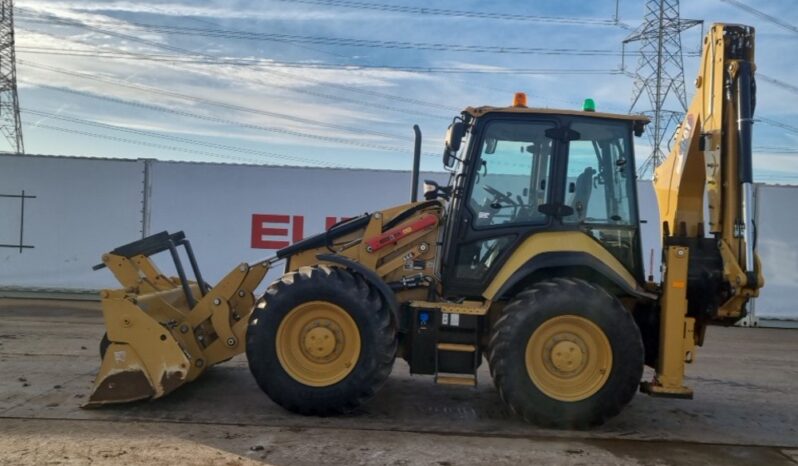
point(584, 363)
point(324, 343)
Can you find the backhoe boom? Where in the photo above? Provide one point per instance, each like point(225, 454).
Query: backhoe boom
point(709, 169)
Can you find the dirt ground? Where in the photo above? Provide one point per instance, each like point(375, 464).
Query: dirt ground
point(745, 411)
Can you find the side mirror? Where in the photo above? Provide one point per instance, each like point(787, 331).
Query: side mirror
point(432, 191)
point(454, 137)
point(639, 127)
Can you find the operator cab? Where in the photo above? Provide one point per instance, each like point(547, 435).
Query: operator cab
point(518, 171)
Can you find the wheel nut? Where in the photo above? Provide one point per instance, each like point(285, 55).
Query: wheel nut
point(231, 341)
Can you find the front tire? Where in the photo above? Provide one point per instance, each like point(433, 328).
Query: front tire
point(324, 343)
point(566, 354)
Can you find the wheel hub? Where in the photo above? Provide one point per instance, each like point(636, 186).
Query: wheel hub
point(568, 358)
point(318, 343)
point(322, 340)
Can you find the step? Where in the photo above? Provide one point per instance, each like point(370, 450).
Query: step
point(477, 308)
point(457, 379)
point(456, 347)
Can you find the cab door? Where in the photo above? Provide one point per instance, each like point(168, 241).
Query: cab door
point(508, 175)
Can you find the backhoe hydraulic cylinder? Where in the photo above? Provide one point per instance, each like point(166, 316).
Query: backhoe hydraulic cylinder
point(745, 114)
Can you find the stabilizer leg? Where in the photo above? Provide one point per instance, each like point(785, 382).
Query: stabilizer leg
point(676, 336)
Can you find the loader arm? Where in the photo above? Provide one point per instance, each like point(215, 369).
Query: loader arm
point(709, 276)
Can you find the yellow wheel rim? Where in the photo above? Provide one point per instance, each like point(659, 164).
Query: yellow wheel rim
point(568, 358)
point(318, 343)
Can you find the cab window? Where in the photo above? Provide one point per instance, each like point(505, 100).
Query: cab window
point(600, 187)
point(599, 178)
point(512, 174)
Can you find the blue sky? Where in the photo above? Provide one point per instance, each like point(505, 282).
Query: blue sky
point(271, 108)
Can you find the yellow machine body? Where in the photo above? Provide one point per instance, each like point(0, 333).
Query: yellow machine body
point(575, 287)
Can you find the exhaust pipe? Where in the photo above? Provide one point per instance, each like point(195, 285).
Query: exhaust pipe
point(416, 164)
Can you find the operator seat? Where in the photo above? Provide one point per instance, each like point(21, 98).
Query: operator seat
point(582, 192)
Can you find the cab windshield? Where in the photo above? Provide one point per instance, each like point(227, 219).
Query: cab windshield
point(512, 174)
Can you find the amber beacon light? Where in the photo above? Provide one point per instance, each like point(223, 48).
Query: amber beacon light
point(519, 99)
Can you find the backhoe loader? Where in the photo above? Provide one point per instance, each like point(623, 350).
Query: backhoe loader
point(529, 259)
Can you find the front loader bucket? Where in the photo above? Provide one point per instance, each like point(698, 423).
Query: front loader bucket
point(165, 331)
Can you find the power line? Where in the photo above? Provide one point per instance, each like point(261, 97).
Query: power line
point(459, 13)
point(216, 103)
point(368, 92)
point(778, 124)
point(227, 61)
point(225, 121)
point(352, 42)
point(322, 66)
point(776, 150)
point(153, 134)
point(778, 83)
point(50, 19)
point(338, 97)
point(210, 59)
point(293, 39)
point(762, 15)
point(143, 143)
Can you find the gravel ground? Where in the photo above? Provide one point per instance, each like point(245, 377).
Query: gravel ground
point(745, 411)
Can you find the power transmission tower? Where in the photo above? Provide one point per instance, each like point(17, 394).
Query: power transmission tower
point(660, 73)
point(10, 123)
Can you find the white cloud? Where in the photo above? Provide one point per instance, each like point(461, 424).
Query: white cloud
point(281, 11)
point(331, 95)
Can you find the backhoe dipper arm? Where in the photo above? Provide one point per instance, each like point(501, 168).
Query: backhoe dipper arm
point(712, 155)
point(708, 276)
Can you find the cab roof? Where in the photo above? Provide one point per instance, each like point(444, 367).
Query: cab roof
point(485, 109)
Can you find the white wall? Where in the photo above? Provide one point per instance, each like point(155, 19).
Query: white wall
point(214, 205)
point(83, 207)
point(777, 224)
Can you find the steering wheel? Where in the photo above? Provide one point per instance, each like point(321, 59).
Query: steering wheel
point(499, 196)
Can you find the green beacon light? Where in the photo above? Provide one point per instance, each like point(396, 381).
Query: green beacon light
point(589, 105)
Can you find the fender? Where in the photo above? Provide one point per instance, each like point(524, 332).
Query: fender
point(571, 259)
point(370, 277)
